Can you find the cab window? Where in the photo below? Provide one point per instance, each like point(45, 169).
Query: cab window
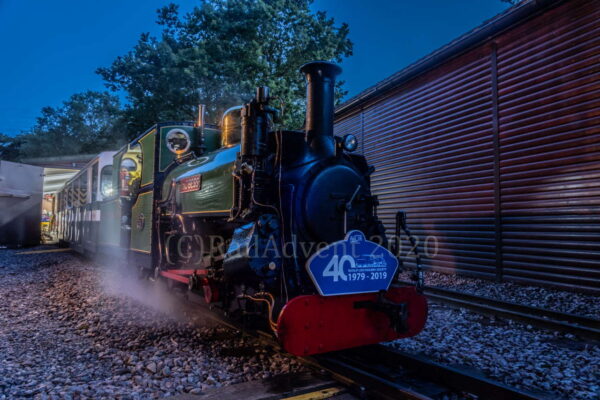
point(129, 176)
point(128, 164)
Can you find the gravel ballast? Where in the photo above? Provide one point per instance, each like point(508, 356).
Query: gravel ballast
point(510, 352)
point(543, 297)
point(70, 329)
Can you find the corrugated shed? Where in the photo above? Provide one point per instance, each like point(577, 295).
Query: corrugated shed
point(549, 113)
point(431, 145)
point(494, 152)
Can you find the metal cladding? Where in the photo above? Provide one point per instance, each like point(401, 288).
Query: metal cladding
point(20, 204)
point(494, 151)
point(549, 139)
point(320, 93)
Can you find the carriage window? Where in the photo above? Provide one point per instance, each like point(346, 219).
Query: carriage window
point(106, 181)
point(95, 182)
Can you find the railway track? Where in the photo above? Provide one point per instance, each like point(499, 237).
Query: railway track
point(384, 372)
point(381, 372)
point(535, 316)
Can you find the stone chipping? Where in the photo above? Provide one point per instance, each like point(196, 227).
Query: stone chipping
point(519, 355)
point(587, 305)
point(69, 331)
point(73, 329)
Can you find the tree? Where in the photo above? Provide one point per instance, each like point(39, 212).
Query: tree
point(217, 55)
point(87, 122)
point(10, 147)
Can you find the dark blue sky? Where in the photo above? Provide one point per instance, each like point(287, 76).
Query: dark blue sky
point(50, 49)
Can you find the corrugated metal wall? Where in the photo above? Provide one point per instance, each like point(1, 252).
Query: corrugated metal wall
point(495, 154)
point(549, 113)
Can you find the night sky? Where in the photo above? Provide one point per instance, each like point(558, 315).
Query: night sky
point(50, 49)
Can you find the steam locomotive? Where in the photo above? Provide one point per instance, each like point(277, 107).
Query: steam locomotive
point(276, 228)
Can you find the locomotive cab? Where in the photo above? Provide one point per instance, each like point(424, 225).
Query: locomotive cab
point(129, 200)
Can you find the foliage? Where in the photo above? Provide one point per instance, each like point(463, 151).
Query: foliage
point(10, 147)
point(217, 55)
point(86, 123)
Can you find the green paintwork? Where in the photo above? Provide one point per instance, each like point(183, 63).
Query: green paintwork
point(216, 193)
point(212, 142)
point(147, 145)
point(141, 233)
point(212, 139)
point(141, 239)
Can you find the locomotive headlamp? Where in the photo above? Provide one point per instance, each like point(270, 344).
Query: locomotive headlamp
point(349, 142)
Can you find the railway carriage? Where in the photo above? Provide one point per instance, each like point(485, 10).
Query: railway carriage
point(77, 221)
point(276, 228)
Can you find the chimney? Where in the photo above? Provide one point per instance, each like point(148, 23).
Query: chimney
point(320, 78)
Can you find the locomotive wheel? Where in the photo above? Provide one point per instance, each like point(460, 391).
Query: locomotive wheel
point(211, 293)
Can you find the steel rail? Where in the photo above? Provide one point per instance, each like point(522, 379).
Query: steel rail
point(382, 372)
point(548, 319)
point(375, 371)
point(388, 363)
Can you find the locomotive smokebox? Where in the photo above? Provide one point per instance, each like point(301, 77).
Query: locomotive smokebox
point(320, 93)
